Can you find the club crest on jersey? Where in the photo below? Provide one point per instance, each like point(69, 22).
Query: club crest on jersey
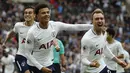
point(28, 41)
point(53, 33)
point(23, 64)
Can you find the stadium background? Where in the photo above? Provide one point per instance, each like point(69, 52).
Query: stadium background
point(68, 11)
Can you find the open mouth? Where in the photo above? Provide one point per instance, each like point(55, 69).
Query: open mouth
point(100, 25)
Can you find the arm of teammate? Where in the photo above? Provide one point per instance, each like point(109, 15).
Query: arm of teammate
point(120, 51)
point(62, 56)
point(55, 42)
point(11, 34)
point(63, 64)
point(73, 27)
point(85, 49)
point(110, 55)
point(127, 59)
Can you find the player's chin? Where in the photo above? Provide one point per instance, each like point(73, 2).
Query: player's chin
point(27, 19)
point(46, 20)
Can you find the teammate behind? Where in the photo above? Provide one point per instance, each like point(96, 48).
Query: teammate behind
point(115, 47)
point(21, 28)
point(126, 59)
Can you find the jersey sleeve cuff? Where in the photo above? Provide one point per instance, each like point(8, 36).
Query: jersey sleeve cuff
point(39, 67)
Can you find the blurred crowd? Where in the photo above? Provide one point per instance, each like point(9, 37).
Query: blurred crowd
point(69, 11)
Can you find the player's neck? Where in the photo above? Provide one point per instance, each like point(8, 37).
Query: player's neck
point(43, 25)
point(29, 23)
point(110, 41)
point(98, 32)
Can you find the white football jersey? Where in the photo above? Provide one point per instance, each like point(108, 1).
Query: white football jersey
point(93, 48)
point(39, 47)
point(117, 49)
point(22, 30)
point(126, 59)
point(9, 63)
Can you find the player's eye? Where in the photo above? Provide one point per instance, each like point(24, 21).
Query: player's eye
point(28, 12)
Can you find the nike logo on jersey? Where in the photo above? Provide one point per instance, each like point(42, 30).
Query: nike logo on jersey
point(97, 45)
point(23, 63)
point(39, 39)
point(28, 41)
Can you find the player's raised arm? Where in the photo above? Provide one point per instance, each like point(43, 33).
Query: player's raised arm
point(73, 27)
point(29, 50)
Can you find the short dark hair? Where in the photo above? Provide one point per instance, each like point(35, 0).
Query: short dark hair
point(27, 7)
point(111, 32)
point(40, 6)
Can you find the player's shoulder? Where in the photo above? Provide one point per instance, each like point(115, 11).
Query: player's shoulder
point(117, 42)
point(88, 34)
point(52, 23)
point(18, 24)
point(36, 23)
point(11, 56)
point(34, 28)
point(55, 22)
point(126, 52)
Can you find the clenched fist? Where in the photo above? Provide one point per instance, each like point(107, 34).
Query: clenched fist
point(94, 64)
point(46, 70)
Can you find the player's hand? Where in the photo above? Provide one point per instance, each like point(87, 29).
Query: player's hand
point(122, 63)
point(94, 64)
point(46, 70)
point(57, 48)
point(55, 43)
point(121, 56)
point(3, 46)
point(127, 67)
